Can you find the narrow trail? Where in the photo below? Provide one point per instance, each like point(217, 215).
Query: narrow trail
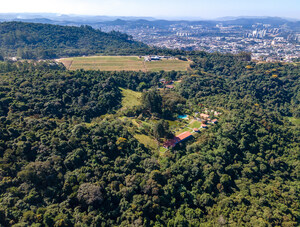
point(70, 64)
point(145, 69)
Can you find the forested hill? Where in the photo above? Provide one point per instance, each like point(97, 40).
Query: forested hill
point(80, 148)
point(44, 41)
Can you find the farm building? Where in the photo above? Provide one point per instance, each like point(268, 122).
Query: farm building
point(183, 136)
point(155, 58)
point(171, 142)
point(147, 58)
point(196, 130)
point(177, 139)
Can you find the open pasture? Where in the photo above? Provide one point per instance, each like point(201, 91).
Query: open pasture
point(123, 63)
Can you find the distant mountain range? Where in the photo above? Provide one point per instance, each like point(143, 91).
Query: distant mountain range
point(100, 21)
point(52, 17)
point(255, 17)
point(64, 19)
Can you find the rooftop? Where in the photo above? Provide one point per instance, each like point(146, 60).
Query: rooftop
point(177, 139)
point(184, 135)
point(204, 115)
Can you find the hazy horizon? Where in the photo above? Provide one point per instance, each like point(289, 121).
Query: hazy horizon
point(187, 18)
point(167, 9)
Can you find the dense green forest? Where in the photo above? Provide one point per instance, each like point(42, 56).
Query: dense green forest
point(69, 154)
point(45, 41)
point(221, 78)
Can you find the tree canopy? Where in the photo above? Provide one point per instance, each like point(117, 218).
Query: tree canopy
point(45, 41)
point(71, 155)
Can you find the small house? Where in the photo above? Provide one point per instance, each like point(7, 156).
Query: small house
point(214, 121)
point(169, 86)
point(196, 130)
point(204, 116)
point(203, 126)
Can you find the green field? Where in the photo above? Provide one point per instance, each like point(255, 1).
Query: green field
point(195, 124)
point(147, 141)
point(130, 98)
point(120, 63)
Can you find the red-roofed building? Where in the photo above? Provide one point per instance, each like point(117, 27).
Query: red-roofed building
point(177, 139)
point(184, 136)
point(214, 121)
point(169, 86)
point(203, 126)
point(196, 130)
point(171, 142)
point(204, 116)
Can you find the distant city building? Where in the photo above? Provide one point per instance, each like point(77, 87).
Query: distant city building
point(263, 40)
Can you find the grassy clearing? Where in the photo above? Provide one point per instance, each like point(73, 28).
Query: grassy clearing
point(67, 63)
point(147, 141)
point(108, 63)
point(184, 130)
point(120, 63)
point(130, 98)
point(195, 124)
point(167, 65)
point(295, 121)
point(162, 151)
point(175, 124)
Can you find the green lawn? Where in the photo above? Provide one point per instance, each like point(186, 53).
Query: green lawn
point(175, 124)
point(162, 150)
point(184, 130)
point(130, 98)
point(195, 124)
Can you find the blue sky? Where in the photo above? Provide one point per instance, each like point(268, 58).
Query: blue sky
point(159, 8)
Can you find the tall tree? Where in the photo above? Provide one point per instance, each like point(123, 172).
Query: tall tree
point(161, 129)
point(152, 101)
